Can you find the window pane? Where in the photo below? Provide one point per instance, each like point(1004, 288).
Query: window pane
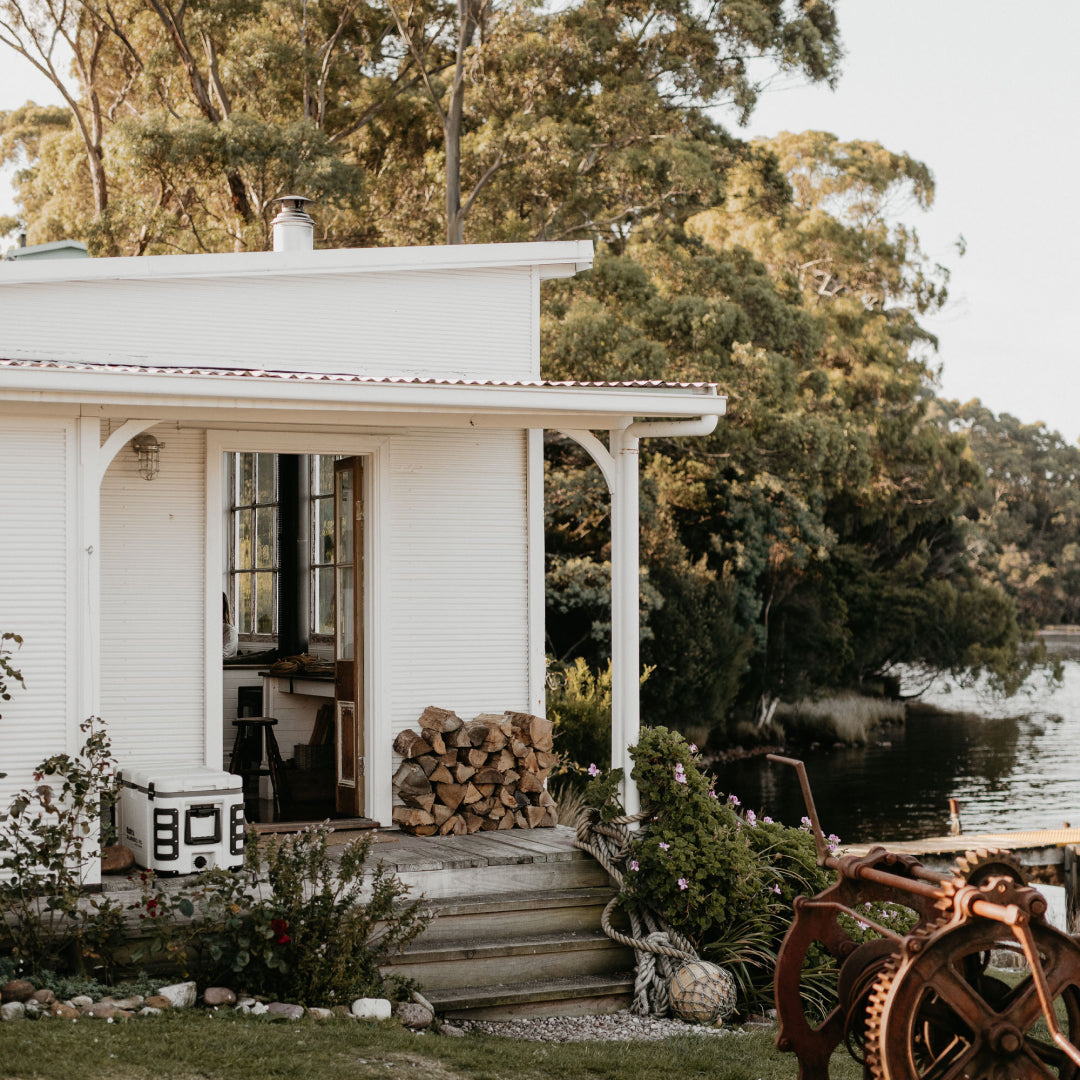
point(324, 601)
point(264, 601)
point(264, 524)
point(265, 475)
point(243, 603)
point(243, 539)
point(323, 480)
point(345, 515)
point(345, 642)
point(245, 479)
point(324, 531)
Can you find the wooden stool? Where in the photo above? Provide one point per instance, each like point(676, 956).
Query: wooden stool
point(247, 756)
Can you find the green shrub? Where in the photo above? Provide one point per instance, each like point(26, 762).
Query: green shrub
point(298, 924)
point(49, 835)
point(723, 877)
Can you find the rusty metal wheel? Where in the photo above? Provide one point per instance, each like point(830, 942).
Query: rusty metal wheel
point(941, 1015)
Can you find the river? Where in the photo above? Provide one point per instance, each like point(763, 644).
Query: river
point(1013, 764)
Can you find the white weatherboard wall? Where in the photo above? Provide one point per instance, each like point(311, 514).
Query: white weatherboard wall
point(36, 574)
point(458, 570)
point(153, 585)
point(477, 324)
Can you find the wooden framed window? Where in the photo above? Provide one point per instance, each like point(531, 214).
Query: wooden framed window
point(321, 475)
point(254, 545)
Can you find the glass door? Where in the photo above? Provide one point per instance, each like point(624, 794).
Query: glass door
point(349, 637)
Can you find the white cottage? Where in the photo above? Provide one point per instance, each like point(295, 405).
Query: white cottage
point(256, 386)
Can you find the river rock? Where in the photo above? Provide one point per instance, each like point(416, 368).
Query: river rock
point(285, 1010)
point(149, 1010)
point(343, 1011)
point(451, 1030)
point(414, 1015)
point(62, 1011)
point(260, 1008)
point(158, 1001)
point(218, 995)
point(12, 1010)
point(16, 990)
point(45, 997)
point(371, 1008)
point(103, 1010)
point(127, 1003)
point(80, 1001)
point(320, 1014)
point(180, 995)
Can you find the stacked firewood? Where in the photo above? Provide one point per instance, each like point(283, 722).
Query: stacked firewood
point(465, 776)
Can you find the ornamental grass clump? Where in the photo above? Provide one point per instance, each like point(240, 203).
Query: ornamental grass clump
point(719, 874)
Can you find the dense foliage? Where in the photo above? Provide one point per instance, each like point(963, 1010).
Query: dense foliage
point(827, 531)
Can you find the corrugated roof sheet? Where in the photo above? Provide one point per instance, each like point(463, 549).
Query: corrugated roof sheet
point(399, 380)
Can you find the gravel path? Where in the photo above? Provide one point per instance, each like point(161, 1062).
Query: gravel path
point(617, 1027)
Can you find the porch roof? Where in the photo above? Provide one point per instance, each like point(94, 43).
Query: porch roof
point(328, 397)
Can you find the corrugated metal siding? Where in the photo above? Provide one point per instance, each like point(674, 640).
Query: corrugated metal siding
point(152, 599)
point(450, 324)
point(458, 574)
point(34, 580)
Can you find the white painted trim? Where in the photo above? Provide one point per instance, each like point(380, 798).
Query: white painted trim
point(534, 523)
point(596, 450)
point(378, 796)
point(116, 440)
point(528, 406)
point(551, 259)
point(87, 549)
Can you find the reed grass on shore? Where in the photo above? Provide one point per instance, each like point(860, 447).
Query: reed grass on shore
point(847, 717)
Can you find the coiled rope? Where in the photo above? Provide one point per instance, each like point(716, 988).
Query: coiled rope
point(659, 949)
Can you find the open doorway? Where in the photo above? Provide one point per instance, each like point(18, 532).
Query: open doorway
point(293, 690)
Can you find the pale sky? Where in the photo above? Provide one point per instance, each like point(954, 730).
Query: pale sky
point(985, 93)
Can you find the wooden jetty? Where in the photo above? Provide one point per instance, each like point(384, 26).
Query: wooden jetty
point(1048, 855)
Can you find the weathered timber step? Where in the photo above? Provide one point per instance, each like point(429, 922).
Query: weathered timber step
point(587, 995)
point(551, 911)
point(523, 958)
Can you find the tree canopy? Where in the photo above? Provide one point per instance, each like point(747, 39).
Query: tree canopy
point(837, 524)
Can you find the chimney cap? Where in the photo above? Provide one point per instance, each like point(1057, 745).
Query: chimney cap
point(293, 228)
point(292, 202)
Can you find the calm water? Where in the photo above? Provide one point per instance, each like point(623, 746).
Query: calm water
point(1013, 764)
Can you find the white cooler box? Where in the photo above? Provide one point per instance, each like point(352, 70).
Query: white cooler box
point(181, 822)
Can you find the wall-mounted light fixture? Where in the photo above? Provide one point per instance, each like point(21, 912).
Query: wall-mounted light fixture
point(148, 451)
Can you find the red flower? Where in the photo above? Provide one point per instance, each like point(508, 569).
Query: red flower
point(151, 904)
point(279, 927)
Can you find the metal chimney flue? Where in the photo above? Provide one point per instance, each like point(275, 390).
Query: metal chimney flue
point(294, 230)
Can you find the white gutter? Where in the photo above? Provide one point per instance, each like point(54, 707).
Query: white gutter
point(654, 429)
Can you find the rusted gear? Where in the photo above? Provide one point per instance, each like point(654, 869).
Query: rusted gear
point(936, 1012)
point(978, 866)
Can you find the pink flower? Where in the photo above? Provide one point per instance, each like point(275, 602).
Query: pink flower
point(664, 846)
point(776, 889)
point(693, 748)
point(806, 824)
point(680, 776)
point(594, 771)
point(751, 819)
point(734, 800)
point(768, 820)
point(684, 884)
point(633, 864)
point(713, 795)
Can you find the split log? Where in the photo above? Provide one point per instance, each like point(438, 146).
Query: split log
point(529, 763)
point(536, 816)
point(410, 745)
point(463, 772)
point(520, 820)
point(455, 824)
point(490, 824)
point(485, 789)
point(421, 802)
point(410, 779)
point(457, 739)
point(471, 795)
point(440, 811)
point(435, 740)
point(534, 730)
point(486, 737)
point(451, 794)
point(530, 782)
point(505, 822)
point(546, 760)
point(476, 757)
point(484, 806)
point(488, 775)
point(408, 815)
point(507, 798)
point(429, 763)
point(544, 799)
point(441, 775)
point(473, 822)
point(518, 748)
point(441, 720)
point(505, 760)
point(424, 830)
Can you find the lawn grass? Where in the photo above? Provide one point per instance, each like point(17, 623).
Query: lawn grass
point(195, 1047)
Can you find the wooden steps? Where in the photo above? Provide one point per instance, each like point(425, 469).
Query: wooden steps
point(582, 996)
point(517, 928)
